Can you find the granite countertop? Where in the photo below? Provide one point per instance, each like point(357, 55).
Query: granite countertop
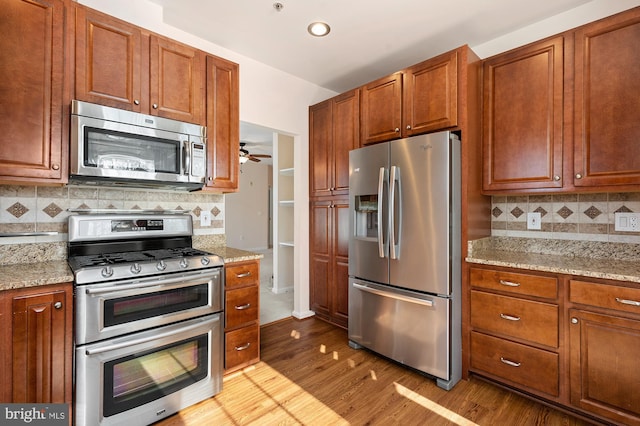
point(23, 275)
point(614, 261)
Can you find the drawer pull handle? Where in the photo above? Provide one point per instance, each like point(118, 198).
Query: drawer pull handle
point(243, 347)
point(509, 317)
point(510, 363)
point(243, 307)
point(509, 283)
point(243, 275)
point(627, 302)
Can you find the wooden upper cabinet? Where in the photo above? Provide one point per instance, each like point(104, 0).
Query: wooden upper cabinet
point(523, 118)
point(177, 82)
point(33, 146)
point(109, 64)
point(121, 65)
point(381, 113)
point(334, 131)
point(431, 95)
point(223, 124)
point(607, 102)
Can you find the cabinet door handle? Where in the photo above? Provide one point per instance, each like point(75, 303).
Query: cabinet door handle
point(57, 305)
point(511, 363)
point(155, 106)
point(137, 102)
point(243, 307)
point(556, 178)
point(243, 347)
point(55, 166)
point(397, 130)
point(509, 283)
point(509, 317)
point(627, 302)
point(578, 176)
point(408, 126)
point(244, 275)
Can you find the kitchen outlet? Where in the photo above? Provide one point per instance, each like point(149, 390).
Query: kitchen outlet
point(533, 220)
point(205, 218)
point(627, 222)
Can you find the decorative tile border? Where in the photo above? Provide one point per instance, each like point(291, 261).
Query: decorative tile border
point(45, 209)
point(582, 217)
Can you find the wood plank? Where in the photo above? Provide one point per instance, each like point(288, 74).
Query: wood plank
point(309, 375)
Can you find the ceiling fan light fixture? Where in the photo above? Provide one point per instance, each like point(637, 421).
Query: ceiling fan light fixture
point(318, 29)
point(243, 159)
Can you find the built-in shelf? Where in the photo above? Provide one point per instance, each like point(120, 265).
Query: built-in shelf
point(284, 211)
point(287, 172)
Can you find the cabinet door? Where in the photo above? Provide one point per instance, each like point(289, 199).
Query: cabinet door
point(346, 136)
point(431, 95)
point(41, 347)
point(522, 118)
point(31, 91)
point(607, 102)
point(381, 114)
point(605, 378)
point(320, 258)
point(223, 124)
point(109, 63)
point(340, 263)
point(176, 81)
point(320, 148)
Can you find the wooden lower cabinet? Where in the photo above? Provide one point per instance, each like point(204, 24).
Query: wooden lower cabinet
point(242, 314)
point(604, 344)
point(37, 344)
point(515, 334)
point(567, 340)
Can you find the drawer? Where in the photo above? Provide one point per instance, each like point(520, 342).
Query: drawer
point(511, 282)
point(534, 368)
point(605, 296)
point(241, 306)
point(530, 320)
point(242, 347)
point(240, 274)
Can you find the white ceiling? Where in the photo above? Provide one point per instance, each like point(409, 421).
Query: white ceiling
point(368, 38)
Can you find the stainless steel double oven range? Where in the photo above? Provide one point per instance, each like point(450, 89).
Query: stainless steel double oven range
point(148, 317)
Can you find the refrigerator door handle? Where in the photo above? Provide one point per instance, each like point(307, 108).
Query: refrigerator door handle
point(394, 239)
point(400, 297)
point(381, 251)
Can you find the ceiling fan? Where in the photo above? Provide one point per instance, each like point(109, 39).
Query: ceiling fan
point(246, 156)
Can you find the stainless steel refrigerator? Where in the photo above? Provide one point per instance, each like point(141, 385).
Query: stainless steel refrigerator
point(404, 253)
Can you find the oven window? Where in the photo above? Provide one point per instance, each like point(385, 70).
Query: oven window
point(109, 149)
point(133, 308)
point(140, 378)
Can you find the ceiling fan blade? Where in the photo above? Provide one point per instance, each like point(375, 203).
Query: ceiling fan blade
point(254, 159)
point(261, 155)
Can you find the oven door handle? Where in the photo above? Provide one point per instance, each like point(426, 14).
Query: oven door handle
point(139, 285)
point(134, 342)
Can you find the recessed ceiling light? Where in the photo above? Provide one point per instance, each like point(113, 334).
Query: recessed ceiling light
point(318, 29)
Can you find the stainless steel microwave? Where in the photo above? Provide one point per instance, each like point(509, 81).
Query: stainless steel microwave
point(117, 147)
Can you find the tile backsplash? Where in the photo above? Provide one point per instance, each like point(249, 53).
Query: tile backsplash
point(45, 209)
point(582, 217)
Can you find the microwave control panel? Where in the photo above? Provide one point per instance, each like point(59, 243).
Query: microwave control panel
point(198, 159)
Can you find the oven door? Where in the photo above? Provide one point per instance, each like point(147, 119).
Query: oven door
point(111, 309)
point(144, 377)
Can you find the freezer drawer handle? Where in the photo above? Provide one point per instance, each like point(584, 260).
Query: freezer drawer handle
point(511, 363)
point(509, 317)
point(627, 302)
point(509, 283)
point(393, 295)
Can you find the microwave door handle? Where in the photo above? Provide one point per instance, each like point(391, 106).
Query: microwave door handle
point(185, 158)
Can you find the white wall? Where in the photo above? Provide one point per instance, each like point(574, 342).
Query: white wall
point(247, 211)
point(268, 97)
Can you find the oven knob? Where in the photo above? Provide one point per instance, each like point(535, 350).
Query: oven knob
point(205, 261)
point(136, 268)
point(161, 266)
point(184, 263)
point(107, 271)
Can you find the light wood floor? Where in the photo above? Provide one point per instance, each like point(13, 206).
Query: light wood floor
point(308, 375)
